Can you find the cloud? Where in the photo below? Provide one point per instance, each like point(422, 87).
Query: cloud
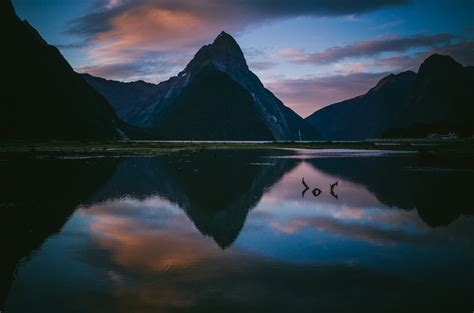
point(74, 45)
point(208, 11)
point(316, 7)
point(121, 31)
point(366, 48)
point(306, 95)
point(262, 66)
point(390, 24)
point(462, 52)
point(153, 68)
point(291, 54)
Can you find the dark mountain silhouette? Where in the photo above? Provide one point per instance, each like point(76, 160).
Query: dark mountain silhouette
point(368, 115)
point(215, 188)
point(41, 96)
point(438, 98)
point(442, 99)
point(129, 100)
point(216, 97)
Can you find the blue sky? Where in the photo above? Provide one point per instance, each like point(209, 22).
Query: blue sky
point(310, 53)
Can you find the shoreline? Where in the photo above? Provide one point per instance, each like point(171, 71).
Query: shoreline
point(150, 148)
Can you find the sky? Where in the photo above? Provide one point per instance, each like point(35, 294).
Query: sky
point(309, 53)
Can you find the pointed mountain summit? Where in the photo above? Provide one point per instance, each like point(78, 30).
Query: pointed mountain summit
point(41, 97)
point(216, 97)
point(224, 53)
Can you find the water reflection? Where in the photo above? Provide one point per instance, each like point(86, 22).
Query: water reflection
point(227, 230)
point(215, 188)
point(439, 194)
point(37, 198)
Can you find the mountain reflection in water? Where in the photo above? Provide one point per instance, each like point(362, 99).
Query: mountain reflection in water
point(228, 231)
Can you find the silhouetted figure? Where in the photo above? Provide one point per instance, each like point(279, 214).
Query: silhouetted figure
point(305, 187)
point(332, 190)
point(316, 192)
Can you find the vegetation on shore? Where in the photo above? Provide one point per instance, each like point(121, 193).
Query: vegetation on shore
point(147, 148)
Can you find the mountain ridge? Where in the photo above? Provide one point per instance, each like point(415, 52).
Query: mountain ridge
point(59, 104)
point(127, 98)
point(436, 99)
point(220, 63)
point(342, 120)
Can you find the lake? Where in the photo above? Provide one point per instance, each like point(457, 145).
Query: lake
point(224, 230)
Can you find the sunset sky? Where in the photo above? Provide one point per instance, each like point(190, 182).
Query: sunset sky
point(309, 53)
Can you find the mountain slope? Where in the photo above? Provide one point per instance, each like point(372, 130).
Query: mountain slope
point(442, 99)
point(213, 99)
point(368, 115)
point(129, 100)
point(438, 99)
point(41, 97)
point(217, 97)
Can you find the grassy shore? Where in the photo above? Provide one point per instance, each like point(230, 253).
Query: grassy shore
point(146, 148)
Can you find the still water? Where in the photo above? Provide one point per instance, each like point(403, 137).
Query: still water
point(232, 231)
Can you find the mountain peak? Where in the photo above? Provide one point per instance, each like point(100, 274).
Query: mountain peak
point(394, 78)
point(76, 112)
point(224, 53)
point(383, 81)
point(7, 11)
point(6, 5)
point(439, 58)
point(223, 34)
point(437, 63)
point(224, 37)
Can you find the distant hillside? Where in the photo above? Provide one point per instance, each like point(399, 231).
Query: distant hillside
point(439, 98)
point(129, 100)
point(42, 98)
point(442, 100)
point(368, 115)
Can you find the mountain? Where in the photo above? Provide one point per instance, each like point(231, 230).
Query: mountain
point(442, 100)
point(41, 97)
point(129, 100)
point(436, 99)
point(216, 97)
point(368, 115)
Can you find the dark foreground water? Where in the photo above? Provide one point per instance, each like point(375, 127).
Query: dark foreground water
point(231, 231)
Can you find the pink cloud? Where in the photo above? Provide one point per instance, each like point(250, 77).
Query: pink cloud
point(367, 48)
point(462, 52)
point(292, 55)
point(306, 95)
point(123, 31)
